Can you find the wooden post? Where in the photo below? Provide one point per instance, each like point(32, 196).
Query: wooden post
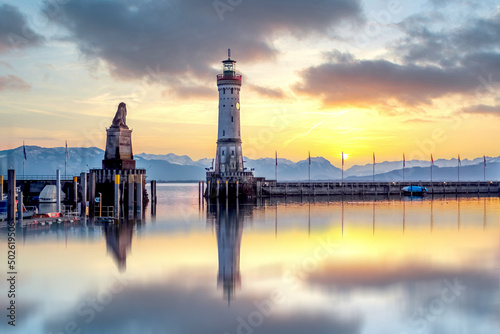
point(130, 196)
point(227, 190)
point(237, 189)
point(100, 204)
point(209, 190)
point(83, 184)
point(153, 198)
point(58, 190)
point(202, 189)
point(117, 197)
point(11, 193)
point(199, 191)
point(75, 190)
point(138, 194)
point(91, 194)
point(1, 187)
point(20, 207)
point(217, 188)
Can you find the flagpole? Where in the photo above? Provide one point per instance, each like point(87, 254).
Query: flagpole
point(404, 162)
point(432, 164)
point(484, 168)
point(276, 166)
point(342, 168)
point(65, 159)
point(373, 167)
point(309, 166)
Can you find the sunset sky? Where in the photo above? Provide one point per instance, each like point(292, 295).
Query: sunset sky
point(327, 76)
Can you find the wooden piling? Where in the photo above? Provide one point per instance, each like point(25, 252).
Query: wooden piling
point(237, 189)
point(75, 190)
point(217, 188)
point(20, 207)
point(138, 193)
point(11, 193)
point(153, 198)
point(227, 190)
point(83, 184)
point(91, 186)
point(130, 188)
point(1, 187)
point(117, 197)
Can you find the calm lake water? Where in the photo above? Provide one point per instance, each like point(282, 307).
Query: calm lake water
point(319, 266)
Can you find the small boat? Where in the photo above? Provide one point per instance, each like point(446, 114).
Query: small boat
point(48, 215)
point(28, 212)
point(3, 209)
point(414, 190)
point(49, 194)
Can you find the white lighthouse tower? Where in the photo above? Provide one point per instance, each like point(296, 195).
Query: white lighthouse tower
point(229, 156)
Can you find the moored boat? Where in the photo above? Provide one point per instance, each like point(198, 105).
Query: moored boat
point(414, 190)
point(49, 194)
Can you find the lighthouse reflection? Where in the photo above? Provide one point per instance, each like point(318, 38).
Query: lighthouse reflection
point(228, 219)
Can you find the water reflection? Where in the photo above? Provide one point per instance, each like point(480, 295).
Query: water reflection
point(384, 266)
point(119, 241)
point(227, 217)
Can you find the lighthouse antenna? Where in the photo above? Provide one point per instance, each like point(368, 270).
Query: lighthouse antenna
point(228, 53)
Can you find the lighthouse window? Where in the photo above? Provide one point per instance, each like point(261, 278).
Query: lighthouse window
point(223, 152)
point(231, 118)
point(232, 152)
point(223, 133)
point(231, 90)
point(223, 105)
point(232, 105)
point(223, 91)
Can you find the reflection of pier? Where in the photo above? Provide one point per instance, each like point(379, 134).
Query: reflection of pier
point(119, 242)
point(118, 235)
point(273, 188)
point(228, 220)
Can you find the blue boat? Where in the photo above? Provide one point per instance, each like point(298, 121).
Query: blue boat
point(3, 209)
point(414, 190)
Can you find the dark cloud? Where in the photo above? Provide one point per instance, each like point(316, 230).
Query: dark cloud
point(14, 30)
point(273, 93)
point(177, 41)
point(378, 82)
point(12, 82)
point(447, 48)
point(482, 109)
point(431, 65)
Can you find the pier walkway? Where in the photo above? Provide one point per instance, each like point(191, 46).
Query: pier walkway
point(315, 188)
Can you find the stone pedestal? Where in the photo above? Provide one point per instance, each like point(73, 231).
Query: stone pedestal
point(118, 149)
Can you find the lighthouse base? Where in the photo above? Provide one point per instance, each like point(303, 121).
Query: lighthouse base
point(233, 185)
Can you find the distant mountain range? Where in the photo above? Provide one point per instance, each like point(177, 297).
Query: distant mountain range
point(172, 167)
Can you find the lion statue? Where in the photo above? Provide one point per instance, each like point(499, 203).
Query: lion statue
point(120, 120)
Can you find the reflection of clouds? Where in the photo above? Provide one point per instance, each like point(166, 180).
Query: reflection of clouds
point(24, 310)
point(170, 309)
point(431, 299)
point(366, 274)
